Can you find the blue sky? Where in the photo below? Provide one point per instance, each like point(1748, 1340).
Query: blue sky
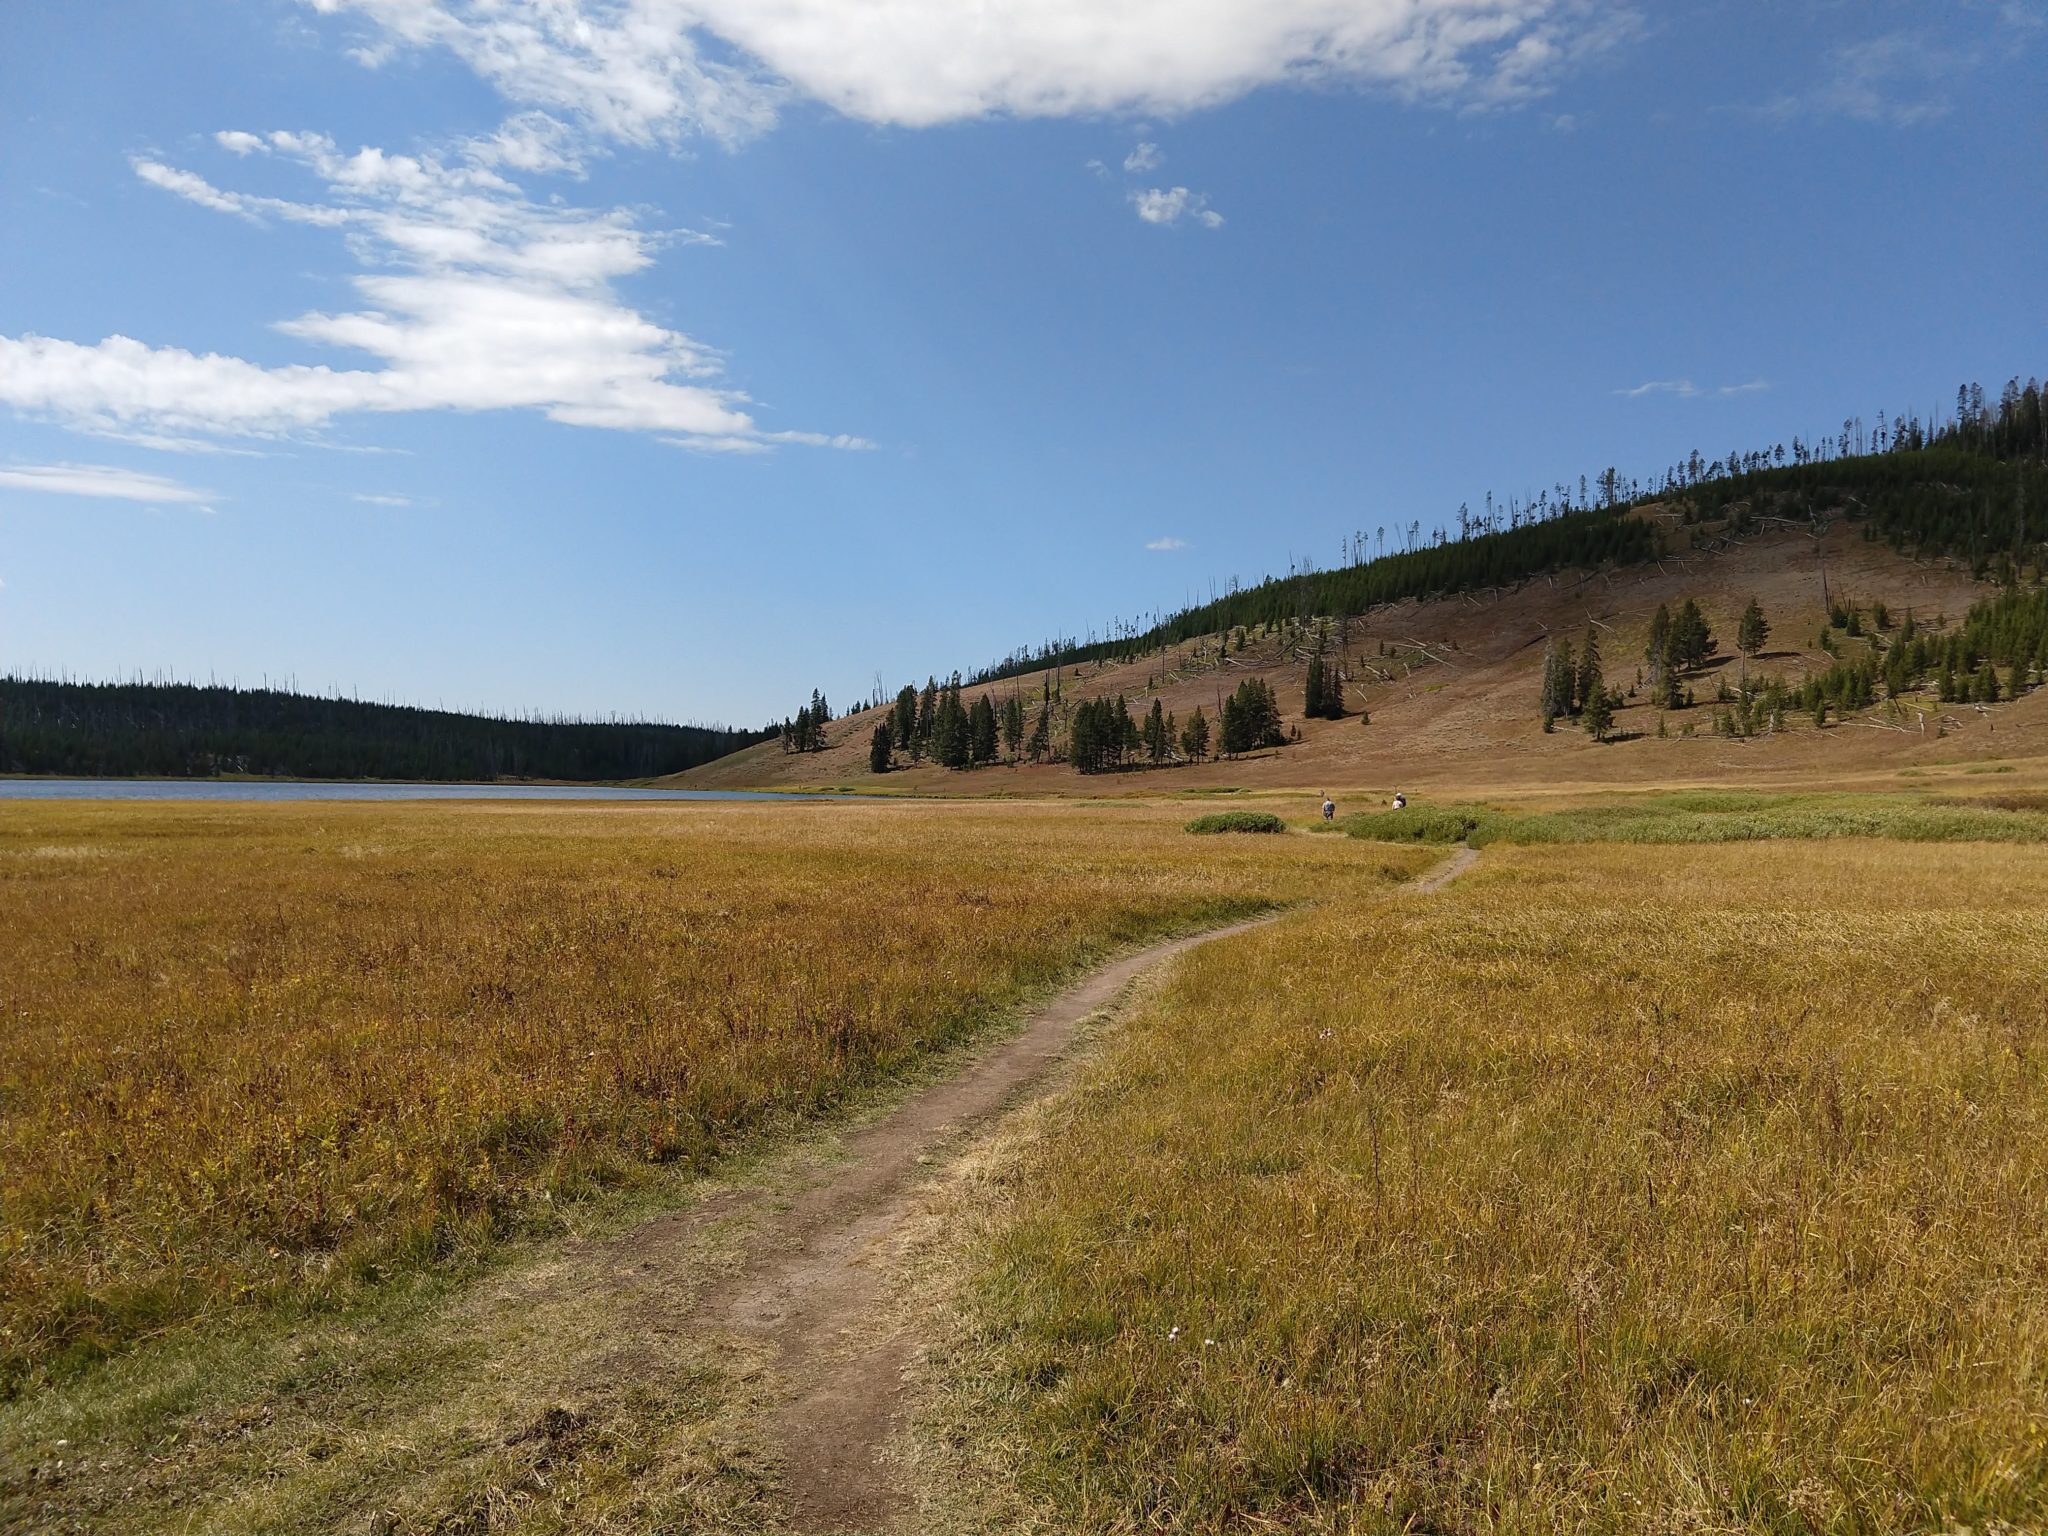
point(674, 357)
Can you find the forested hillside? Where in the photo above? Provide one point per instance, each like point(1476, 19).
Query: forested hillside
point(1974, 487)
point(180, 730)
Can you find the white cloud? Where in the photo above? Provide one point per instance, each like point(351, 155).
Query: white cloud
point(101, 480)
point(192, 188)
point(645, 71)
point(237, 141)
point(381, 499)
point(1170, 205)
point(760, 442)
point(1685, 389)
point(532, 142)
point(474, 298)
point(1145, 157)
point(1167, 544)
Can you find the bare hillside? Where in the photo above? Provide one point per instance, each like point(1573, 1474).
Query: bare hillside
point(1444, 693)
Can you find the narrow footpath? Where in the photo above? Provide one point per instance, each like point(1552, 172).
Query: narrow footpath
point(807, 1294)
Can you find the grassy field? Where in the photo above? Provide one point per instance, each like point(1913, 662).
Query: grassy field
point(1695, 1192)
point(1722, 817)
point(268, 1054)
point(1696, 1187)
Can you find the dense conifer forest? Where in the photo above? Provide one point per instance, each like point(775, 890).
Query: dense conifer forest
point(182, 730)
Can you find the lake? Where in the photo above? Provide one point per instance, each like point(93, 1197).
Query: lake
point(291, 789)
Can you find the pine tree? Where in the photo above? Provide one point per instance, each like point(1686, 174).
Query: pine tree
point(1557, 681)
point(1235, 739)
point(1598, 714)
point(981, 732)
point(878, 750)
point(952, 745)
point(927, 719)
point(1591, 683)
point(1312, 691)
point(1691, 641)
point(1657, 652)
point(1158, 740)
point(1040, 742)
point(1752, 631)
point(1013, 726)
point(1194, 741)
point(903, 718)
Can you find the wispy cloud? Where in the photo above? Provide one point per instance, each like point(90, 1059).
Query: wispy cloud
point(761, 442)
point(381, 499)
point(1167, 544)
point(1146, 157)
point(474, 297)
point(1170, 205)
point(1903, 79)
point(1685, 389)
point(103, 481)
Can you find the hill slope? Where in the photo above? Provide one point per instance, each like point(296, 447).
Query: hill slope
point(1449, 687)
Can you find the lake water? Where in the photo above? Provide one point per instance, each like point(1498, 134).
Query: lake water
point(281, 789)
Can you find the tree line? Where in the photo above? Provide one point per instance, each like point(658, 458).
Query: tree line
point(1095, 735)
point(806, 732)
point(186, 730)
point(1441, 565)
point(1972, 485)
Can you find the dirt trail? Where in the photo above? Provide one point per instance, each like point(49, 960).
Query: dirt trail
point(811, 1286)
point(1446, 872)
point(807, 1295)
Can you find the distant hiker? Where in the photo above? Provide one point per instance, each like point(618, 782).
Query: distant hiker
point(1400, 802)
point(1329, 809)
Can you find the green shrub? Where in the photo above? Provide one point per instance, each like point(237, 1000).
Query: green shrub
point(1238, 821)
point(1428, 824)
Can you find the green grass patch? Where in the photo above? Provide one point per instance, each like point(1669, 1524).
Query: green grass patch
point(1714, 817)
point(1238, 821)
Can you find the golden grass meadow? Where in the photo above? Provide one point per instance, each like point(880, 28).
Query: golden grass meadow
point(1674, 1187)
point(255, 1054)
point(1610, 1189)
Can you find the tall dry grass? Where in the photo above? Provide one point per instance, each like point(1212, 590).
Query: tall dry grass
point(1701, 1189)
point(259, 1053)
